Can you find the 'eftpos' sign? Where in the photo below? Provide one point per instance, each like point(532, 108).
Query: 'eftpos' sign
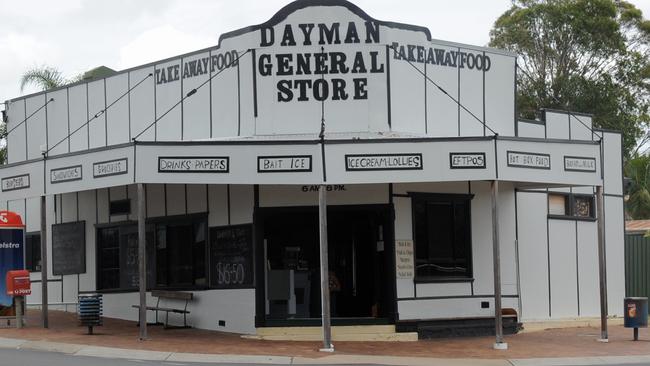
point(16, 182)
point(383, 162)
point(66, 174)
point(194, 164)
point(467, 160)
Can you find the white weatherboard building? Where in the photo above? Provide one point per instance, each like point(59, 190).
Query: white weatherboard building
point(232, 143)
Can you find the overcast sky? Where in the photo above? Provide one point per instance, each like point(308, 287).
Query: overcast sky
point(77, 35)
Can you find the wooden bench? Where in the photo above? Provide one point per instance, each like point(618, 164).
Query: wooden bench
point(170, 295)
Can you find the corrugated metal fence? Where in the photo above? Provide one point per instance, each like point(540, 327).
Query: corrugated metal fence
point(637, 265)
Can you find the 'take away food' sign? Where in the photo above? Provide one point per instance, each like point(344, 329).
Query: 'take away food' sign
point(318, 61)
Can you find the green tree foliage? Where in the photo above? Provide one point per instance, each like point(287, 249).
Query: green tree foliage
point(637, 170)
point(582, 55)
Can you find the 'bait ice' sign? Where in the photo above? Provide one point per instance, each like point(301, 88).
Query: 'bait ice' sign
point(287, 164)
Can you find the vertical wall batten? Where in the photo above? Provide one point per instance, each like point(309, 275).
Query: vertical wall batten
point(548, 257)
point(426, 119)
point(483, 95)
point(67, 103)
point(458, 97)
point(87, 117)
point(254, 86)
point(388, 100)
point(26, 139)
point(105, 116)
point(128, 101)
point(210, 91)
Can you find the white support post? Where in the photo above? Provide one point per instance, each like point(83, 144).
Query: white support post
point(602, 265)
point(496, 257)
point(44, 310)
point(142, 262)
point(324, 270)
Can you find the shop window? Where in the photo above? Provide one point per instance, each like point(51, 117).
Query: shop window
point(181, 254)
point(571, 206)
point(558, 204)
point(33, 251)
point(442, 232)
point(117, 257)
point(121, 207)
point(176, 255)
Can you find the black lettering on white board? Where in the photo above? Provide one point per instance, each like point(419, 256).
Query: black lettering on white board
point(520, 159)
point(15, 182)
point(193, 164)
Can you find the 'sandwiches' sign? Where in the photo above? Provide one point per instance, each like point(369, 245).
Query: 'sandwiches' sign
point(110, 168)
point(66, 174)
point(15, 182)
point(364, 162)
point(193, 164)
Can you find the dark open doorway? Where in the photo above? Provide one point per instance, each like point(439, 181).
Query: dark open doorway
point(361, 265)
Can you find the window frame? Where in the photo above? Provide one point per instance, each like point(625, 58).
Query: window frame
point(570, 201)
point(32, 268)
point(154, 221)
point(447, 198)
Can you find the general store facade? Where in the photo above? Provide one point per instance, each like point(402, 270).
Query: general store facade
point(231, 143)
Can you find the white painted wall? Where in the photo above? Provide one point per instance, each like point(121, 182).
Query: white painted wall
point(457, 300)
point(559, 258)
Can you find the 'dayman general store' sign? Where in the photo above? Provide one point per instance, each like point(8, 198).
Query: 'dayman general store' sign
point(298, 55)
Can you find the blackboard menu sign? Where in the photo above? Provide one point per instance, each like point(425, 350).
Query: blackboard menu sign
point(69, 248)
point(231, 256)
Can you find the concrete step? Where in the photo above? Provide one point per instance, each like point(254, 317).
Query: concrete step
point(367, 333)
point(317, 330)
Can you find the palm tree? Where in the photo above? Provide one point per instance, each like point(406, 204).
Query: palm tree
point(44, 77)
point(47, 77)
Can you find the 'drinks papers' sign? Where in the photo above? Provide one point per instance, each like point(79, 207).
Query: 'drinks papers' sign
point(203, 164)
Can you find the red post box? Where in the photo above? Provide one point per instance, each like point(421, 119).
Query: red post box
point(18, 283)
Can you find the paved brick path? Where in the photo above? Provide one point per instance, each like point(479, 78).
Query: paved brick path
point(569, 342)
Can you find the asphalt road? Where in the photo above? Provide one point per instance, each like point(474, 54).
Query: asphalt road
point(12, 357)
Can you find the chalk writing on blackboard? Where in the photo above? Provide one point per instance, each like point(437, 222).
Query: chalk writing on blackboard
point(231, 256)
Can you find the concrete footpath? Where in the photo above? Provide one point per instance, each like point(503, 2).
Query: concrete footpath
point(118, 339)
point(144, 355)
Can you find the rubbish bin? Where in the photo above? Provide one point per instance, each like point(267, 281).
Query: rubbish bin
point(636, 314)
point(89, 311)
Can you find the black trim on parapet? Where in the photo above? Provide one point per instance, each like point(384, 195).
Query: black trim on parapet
point(283, 13)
